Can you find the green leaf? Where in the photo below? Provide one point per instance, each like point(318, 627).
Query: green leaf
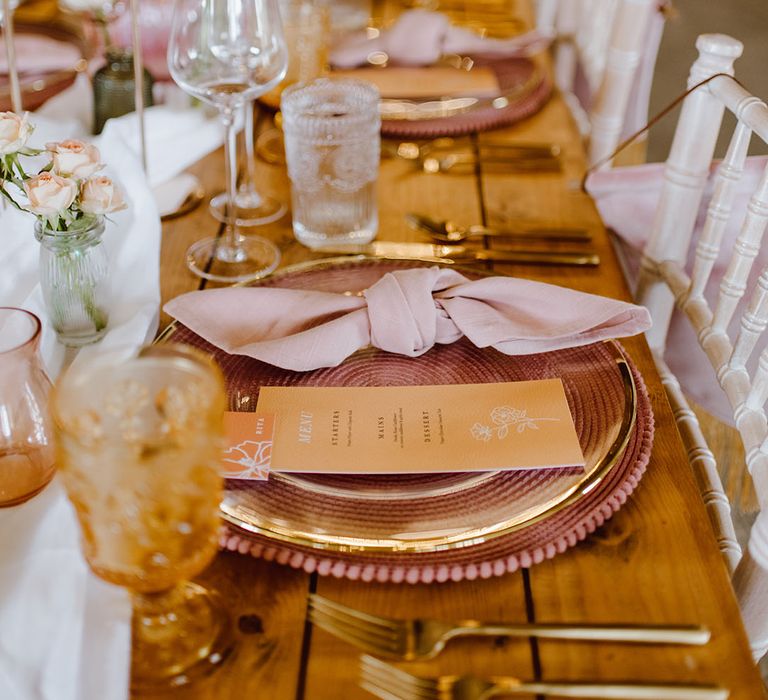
point(5, 194)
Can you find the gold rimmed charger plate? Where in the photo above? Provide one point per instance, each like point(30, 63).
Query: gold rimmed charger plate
point(400, 109)
point(325, 514)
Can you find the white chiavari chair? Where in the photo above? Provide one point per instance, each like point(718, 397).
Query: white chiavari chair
point(605, 51)
point(730, 327)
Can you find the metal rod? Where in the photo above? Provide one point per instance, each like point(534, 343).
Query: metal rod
point(138, 79)
point(10, 51)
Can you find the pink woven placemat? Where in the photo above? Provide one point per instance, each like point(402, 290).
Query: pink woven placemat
point(505, 554)
point(595, 395)
point(510, 73)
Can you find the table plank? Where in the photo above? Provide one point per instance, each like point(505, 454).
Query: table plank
point(267, 603)
point(332, 671)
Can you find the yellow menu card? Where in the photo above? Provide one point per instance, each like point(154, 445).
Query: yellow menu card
point(389, 430)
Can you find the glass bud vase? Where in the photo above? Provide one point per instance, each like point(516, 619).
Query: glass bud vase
point(26, 448)
point(74, 276)
point(113, 88)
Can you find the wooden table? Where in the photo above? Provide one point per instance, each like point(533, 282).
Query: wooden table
point(656, 561)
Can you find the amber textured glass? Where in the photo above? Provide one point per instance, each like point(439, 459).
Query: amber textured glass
point(139, 445)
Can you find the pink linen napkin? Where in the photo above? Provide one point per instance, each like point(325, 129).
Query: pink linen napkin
point(37, 54)
point(421, 37)
point(405, 312)
point(627, 199)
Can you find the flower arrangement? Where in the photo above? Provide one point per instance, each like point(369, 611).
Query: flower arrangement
point(70, 201)
point(67, 194)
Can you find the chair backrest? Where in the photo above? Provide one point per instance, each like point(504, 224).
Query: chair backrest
point(605, 53)
point(730, 321)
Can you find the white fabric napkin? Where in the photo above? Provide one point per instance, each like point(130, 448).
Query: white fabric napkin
point(64, 635)
point(176, 138)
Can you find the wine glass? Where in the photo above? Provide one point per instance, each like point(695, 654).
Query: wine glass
point(139, 445)
point(251, 207)
point(13, 4)
point(228, 52)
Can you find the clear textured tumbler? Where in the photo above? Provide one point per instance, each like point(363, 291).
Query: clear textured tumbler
point(332, 149)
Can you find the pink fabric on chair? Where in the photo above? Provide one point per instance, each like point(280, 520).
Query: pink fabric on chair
point(405, 312)
point(636, 114)
point(420, 37)
point(627, 199)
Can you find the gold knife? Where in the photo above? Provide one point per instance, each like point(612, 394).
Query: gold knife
point(459, 253)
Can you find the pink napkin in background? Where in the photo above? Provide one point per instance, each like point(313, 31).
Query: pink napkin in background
point(155, 22)
point(36, 54)
point(627, 199)
point(421, 37)
point(405, 312)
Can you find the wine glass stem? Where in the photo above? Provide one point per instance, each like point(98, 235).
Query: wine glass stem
point(250, 152)
point(230, 249)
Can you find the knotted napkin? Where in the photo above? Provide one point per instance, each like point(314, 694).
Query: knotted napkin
point(420, 37)
point(405, 312)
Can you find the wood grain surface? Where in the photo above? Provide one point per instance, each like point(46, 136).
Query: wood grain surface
point(655, 561)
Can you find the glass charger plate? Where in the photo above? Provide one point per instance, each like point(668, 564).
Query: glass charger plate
point(422, 512)
point(523, 90)
point(517, 79)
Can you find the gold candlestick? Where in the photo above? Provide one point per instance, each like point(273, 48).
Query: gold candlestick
point(10, 51)
point(138, 73)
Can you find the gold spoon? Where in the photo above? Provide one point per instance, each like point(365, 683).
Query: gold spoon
point(449, 232)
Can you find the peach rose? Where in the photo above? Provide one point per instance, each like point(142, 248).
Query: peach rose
point(14, 132)
point(100, 195)
point(49, 194)
point(74, 158)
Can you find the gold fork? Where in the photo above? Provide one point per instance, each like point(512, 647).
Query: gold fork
point(408, 640)
point(390, 683)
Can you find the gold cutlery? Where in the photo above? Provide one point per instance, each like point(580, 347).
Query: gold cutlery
point(449, 232)
point(390, 683)
point(408, 640)
point(410, 150)
point(457, 253)
point(469, 163)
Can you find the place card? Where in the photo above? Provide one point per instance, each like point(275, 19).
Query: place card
point(248, 445)
point(405, 429)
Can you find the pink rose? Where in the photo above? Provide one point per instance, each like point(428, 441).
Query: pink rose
point(14, 132)
point(99, 195)
point(49, 194)
point(74, 158)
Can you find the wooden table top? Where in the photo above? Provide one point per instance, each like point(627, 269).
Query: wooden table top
point(656, 561)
